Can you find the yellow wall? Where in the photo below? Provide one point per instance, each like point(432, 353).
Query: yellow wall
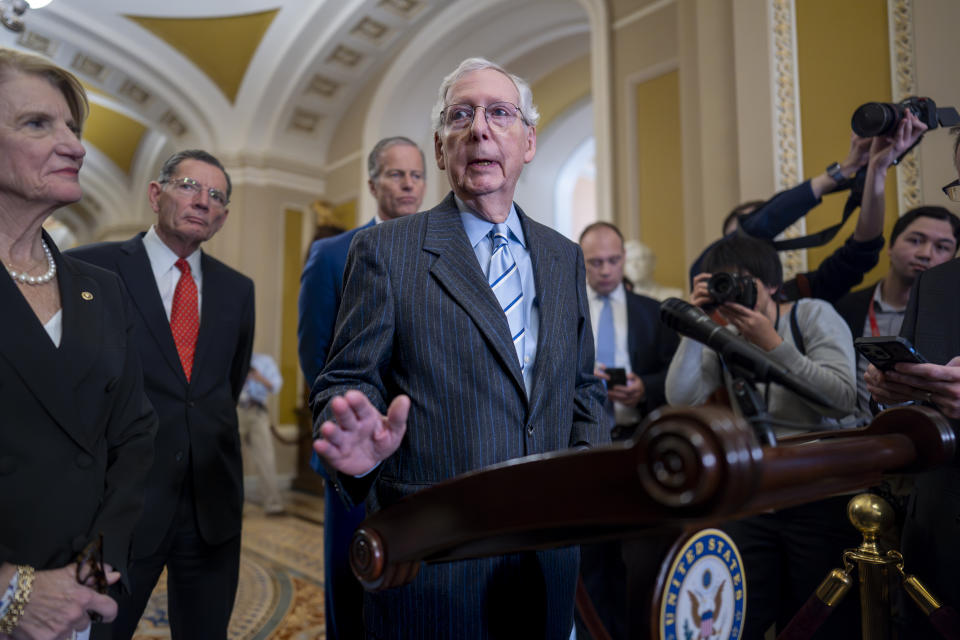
point(345, 214)
point(843, 61)
point(289, 361)
point(116, 135)
point(659, 175)
point(639, 49)
point(560, 89)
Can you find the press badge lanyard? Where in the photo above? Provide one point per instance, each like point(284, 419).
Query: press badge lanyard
point(872, 316)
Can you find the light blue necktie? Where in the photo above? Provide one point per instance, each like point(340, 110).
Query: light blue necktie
point(504, 279)
point(606, 335)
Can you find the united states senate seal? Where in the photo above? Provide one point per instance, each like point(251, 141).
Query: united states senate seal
point(705, 593)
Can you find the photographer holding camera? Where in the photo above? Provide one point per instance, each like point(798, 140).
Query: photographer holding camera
point(845, 267)
point(788, 552)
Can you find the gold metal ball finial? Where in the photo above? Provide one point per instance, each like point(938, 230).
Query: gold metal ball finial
point(869, 513)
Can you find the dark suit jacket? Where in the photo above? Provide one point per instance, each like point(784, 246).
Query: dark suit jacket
point(419, 318)
point(321, 287)
point(932, 528)
point(198, 420)
point(76, 433)
point(651, 345)
point(853, 308)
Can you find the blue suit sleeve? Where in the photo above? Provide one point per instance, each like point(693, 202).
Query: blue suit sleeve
point(319, 289)
point(771, 218)
point(779, 212)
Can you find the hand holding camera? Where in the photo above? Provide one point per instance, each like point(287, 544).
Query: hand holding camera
point(742, 302)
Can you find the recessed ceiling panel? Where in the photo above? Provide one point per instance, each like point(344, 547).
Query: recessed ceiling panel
point(221, 47)
point(114, 134)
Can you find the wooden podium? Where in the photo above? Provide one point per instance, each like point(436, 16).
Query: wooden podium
point(684, 469)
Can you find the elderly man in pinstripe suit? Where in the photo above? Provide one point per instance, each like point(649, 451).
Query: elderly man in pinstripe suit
point(463, 340)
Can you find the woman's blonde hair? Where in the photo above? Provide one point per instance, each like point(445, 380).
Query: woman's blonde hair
point(13, 61)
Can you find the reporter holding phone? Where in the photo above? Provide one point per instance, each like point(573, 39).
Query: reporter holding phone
point(932, 324)
point(633, 348)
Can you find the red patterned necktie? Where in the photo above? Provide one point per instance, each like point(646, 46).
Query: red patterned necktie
point(185, 317)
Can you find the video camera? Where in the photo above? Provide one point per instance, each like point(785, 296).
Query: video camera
point(881, 118)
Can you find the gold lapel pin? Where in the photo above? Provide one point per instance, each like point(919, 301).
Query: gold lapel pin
point(86, 295)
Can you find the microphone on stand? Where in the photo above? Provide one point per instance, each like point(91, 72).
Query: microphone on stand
point(688, 320)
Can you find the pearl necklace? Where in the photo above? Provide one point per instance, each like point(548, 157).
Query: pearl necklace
point(26, 278)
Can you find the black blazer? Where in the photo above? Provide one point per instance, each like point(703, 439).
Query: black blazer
point(198, 420)
point(651, 345)
point(854, 307)
point(932, 324)
point(76, 432)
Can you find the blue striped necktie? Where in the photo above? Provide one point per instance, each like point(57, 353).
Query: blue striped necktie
point(504, 279)
point(606, 335)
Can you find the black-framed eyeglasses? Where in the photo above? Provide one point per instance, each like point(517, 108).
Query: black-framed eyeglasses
point(90, 570)
point(952, 190)
point(500, 115)
point(192, 188)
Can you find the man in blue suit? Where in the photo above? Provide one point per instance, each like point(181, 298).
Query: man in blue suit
point(397, 182)
point(463, 341)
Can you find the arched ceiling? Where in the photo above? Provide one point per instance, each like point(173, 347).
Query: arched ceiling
point(264, 83)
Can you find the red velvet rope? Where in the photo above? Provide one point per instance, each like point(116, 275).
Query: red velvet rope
point(807, 620)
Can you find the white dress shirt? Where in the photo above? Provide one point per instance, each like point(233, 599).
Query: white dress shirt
point(162, 261)
point(618, 303)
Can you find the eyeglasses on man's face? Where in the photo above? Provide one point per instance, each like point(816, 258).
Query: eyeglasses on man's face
point(953, 190)
point(191, 189)
point(499, 115)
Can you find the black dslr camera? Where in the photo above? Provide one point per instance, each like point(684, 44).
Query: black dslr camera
point(727, 287)
point(882, 118)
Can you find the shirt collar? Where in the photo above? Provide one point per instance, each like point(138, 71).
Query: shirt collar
point(617, 295)
point(162, 258)
point(882, 306)
point(477, 228)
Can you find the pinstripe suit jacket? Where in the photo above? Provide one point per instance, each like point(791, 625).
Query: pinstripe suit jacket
point(419, 318)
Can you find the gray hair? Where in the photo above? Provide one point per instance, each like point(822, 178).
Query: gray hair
point(374, 166)
point(529, 110)
point(170, 166)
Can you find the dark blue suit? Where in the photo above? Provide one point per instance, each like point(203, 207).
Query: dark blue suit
point(320, 293)
point(419, 318)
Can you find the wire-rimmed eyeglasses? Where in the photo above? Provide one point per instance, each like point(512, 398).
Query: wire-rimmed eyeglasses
point(192, 188)
point(500, 115)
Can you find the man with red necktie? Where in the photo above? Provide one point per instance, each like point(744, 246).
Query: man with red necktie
point(195, 336)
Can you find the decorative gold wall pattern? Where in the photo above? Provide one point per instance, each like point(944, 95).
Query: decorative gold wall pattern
point(788, 156)
point(904, 83)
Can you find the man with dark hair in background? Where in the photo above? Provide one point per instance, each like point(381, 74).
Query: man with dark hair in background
point(921, 239)
point(396, 181)
point(627, 331)
point(194, 332)
point(628, 335)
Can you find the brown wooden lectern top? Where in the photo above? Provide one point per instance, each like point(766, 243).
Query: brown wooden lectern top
point(694, 466)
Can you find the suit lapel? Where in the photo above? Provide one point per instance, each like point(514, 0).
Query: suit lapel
point(50, 373)
point(547, 280)
point(458, 272)
point(214, 298)
point(133, 265)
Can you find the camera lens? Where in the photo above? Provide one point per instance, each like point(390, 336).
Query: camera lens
point(875, 119)
point(722, 287)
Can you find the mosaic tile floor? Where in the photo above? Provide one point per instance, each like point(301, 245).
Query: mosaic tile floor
point(280, 596)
